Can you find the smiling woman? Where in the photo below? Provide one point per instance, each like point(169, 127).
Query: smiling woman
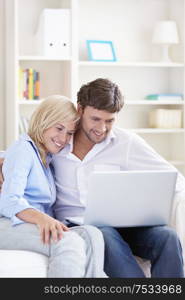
point(56, 137)
point(29, 191)
point(52, 125)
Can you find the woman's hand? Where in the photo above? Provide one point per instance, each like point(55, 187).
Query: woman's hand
point(49, 227)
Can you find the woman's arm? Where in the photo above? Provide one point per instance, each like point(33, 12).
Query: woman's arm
point(16, 168)
point(13, 204)
point(48, 226)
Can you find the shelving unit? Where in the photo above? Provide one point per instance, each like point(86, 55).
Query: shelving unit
point(153, 102)
point(41, 58)
point(56, 74)
point(130, 64)
point(138, 70)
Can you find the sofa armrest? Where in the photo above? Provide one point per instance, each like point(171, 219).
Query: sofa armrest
point(177, 221)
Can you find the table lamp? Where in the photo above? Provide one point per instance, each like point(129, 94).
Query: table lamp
point(165, 33)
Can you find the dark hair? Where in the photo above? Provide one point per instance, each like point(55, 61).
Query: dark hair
point(101, 94)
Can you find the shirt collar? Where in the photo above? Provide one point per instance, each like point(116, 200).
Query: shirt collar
point(27, 138)
point(111, 136)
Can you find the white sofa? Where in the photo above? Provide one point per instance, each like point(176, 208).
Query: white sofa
point(19, 263)
point(16, 263)
point(27, 264)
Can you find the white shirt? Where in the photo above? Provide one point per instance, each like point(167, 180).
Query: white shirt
point(121, 150)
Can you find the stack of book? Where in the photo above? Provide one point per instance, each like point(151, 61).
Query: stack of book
point(165, 97)
point(29, 84)
point(165, 118)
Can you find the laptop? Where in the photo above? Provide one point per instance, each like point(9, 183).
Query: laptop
point(130, 198)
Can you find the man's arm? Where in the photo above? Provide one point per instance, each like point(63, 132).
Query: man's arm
point(142, 157)
point(1, 173)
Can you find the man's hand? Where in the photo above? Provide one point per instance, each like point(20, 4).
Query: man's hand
point(1, 173)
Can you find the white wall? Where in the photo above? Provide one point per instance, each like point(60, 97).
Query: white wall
point(2, 75)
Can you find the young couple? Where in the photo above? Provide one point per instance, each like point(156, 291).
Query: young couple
point(68, 145)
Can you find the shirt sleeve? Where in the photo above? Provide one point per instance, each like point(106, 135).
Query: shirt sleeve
point(142, 156)
point(16, 167)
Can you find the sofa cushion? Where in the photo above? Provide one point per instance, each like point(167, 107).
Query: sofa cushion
point(18, 263)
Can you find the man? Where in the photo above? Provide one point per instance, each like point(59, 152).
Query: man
point(97, 144)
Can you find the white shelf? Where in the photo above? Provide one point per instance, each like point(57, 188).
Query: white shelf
point(153, 102)
point(137, 71)
point(42, 58)
point(157, 130)
point(129, 64)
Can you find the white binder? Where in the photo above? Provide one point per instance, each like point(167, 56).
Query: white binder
point(53, 36)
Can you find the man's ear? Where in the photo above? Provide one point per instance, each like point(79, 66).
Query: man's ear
point(79, 109)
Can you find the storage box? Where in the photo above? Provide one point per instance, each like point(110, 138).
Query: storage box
point(165, 118)
point(53, 36)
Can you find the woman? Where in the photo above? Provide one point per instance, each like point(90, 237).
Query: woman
point(28, 191)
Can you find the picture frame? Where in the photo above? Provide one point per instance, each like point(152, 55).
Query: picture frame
point(101, 51)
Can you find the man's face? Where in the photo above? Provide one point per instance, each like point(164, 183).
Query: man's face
point(96, 124)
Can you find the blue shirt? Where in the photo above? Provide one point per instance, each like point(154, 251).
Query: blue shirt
point(27, 182)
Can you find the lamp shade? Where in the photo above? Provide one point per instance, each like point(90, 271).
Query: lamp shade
point(165, 32)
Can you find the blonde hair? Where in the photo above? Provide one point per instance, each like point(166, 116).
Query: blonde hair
point(54, 109)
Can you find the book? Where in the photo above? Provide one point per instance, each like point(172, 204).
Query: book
point(30, 83)
point(165, 118)
point(166, 97)
point(26, 72)
point(20, 83)
point(36, 86)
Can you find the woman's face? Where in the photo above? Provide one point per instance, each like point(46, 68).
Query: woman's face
point(55, 138)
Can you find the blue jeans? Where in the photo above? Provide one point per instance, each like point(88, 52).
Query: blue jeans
point(159, 244)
